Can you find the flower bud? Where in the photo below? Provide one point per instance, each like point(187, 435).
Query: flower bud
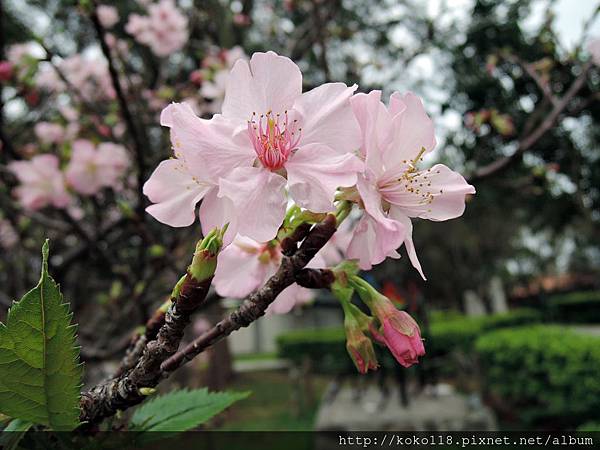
point(6, 70)
point(359, 346)
point(398, 330)
point(204, 262)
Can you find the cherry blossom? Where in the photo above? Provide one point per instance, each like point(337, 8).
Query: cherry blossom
point(107, 15)
point(88, 74)
point(8, 236)
point(270, 138)
point(6, 70)
point(41, 183)
point(392, 190)
point(215, 74)
point(246, 265)
point(49, 133)
point(92, 168)
point(594, 49)
point(164, 29)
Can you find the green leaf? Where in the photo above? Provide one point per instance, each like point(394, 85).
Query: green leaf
point(13, 433)
point(182, 410)
point(40, 374)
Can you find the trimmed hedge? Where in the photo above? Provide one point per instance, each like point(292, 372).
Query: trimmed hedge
point(548, 376)
point(448, 333)
point(576, 307)
point(459, 333)
point(325, 348)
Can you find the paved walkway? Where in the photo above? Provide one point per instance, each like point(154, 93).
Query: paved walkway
point(373, 410)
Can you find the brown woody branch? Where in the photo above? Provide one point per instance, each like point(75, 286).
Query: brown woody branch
point(257, 303)
point(125, 390)
point(530, 140)
point(160, 356)
point(139, 142)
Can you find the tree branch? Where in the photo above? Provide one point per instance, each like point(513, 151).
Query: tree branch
point(125, 391)
point(530, 140)
point(139, 142)
point(257, 303)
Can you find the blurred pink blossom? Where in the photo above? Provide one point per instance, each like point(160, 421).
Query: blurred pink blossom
point(88, 74)
point(6, 70)
point(91, 168)
point(241, 20)
point(107, 15)
point(164, 29)
point(41, 183)
point(246, 265)
point(8, 235)
point(334, 251)
point(49, 133)
point(215, 75)
point(594, 49)
point(392, 189)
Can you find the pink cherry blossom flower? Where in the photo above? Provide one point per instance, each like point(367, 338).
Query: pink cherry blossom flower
point(334, 251)
point(594, 49)
point(92, 168)
point(41, 183)
point(6, 70)
point(164, 29)
point(107, 15)
point(400, 334)
point(8, 236)
point(88, 74)
point(245, 265)
point(49, 133)
point(269, 137)
point(392, 190)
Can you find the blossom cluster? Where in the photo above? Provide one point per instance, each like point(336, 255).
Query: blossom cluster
point(43, 183)
point(164, 29)
point(275, 154)
point(213, 75)
point(86, 73)
point(273, 144)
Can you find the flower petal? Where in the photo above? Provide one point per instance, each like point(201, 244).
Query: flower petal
point(327, 117)
point(398, 215)
point(290, 297)
point(376, 127)
point(268, 82)
point(213, 140)
point(315, 172)
point(413, 130)
point(367, 188)
point(239, 271)
point(374, 241)
point(217, 211)
point(436, 194)
point(175, 193)
point(259, 199)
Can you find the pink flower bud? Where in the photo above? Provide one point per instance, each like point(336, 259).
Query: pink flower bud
point(403, 337)
point(6, 70)
point(398, 331)
point(359, 346)
point(196, 77)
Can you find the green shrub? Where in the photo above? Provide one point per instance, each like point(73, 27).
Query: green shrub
point(458, 333)
point(576, 307)
point(448, 332)
point(547, 375)
point(589, 427)
point(325, 348)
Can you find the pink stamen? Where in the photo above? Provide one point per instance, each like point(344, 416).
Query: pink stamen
point(274, 138)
